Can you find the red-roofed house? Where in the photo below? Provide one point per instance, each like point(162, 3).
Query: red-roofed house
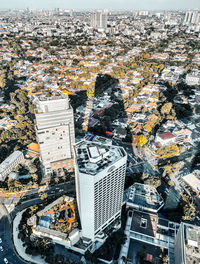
point(165, 138)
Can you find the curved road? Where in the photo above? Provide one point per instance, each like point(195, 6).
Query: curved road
point(7, 245)
point(6, 222)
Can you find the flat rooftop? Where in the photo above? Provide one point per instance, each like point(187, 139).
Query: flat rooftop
point(9, 160)
point(192, 181)
point(143, 223)
point(145, 196)
point(103, 140)
point(55, 96)
point(194, 74)
point(93, 157)
point(150, 225)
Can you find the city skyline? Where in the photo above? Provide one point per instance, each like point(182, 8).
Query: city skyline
point(111, 4)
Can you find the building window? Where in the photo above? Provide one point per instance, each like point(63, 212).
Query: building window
point(143, 223)
point(41, 132)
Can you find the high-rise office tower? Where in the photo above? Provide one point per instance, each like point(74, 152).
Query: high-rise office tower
point(99, 19)
point(55, 133)
point(143, 13)
point(100, 174)
point(192, 17)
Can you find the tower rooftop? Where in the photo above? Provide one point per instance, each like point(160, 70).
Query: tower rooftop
point(55, 96)
point(93, 157)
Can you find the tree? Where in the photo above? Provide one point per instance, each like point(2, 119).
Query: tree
point(165, 259)
point(56, 180)
point(32, 168)
point(166, 108)
point(188, 213)
point(35, 177)
point(2, 80)
point(168, 151)
point(142, 140)
point(155, 182)
point(43, 196)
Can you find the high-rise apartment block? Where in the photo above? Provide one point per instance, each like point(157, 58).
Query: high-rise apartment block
point(55, 133)
point(192, 17)
point(99, 19)
point(143, 13)
point(100, 175)
point(187, 244)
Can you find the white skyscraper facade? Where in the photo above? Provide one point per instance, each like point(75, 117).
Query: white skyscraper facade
point(55, 133)
point(100, 176)
point(192, 17)
point(99, 19)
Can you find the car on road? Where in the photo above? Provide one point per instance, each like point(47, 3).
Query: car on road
point(5, 260)
point(1, 248)
point(0, 240)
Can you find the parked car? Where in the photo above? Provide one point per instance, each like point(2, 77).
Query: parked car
point(5, 260)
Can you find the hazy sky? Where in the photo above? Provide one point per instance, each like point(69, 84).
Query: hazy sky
point(97, 4)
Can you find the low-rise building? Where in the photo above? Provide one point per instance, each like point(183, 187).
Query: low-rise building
point(58, 221)
point(192, 181)
point(165, 138)
point(144, 198)
point(193, 78)
point(10, 163)
point(149, 230)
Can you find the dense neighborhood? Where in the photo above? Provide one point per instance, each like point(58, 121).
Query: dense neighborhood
point(130, 88)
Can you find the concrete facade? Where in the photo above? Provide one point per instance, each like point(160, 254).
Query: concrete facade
point(55, 132)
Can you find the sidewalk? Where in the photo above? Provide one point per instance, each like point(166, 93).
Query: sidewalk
point(19, 244)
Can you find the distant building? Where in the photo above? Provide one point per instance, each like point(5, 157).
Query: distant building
point(172, 73)
point(100, 175)
point(99, 19)
point(193, 78)
point(143, 13)
point(192, 17)
point(55, 133)
point(187, 244)
point(10, 163)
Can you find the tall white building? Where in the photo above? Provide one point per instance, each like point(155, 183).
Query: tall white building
point(99, 19)
point(192, 17)
point(187, 244)
point(55, 133)
point(100, 175)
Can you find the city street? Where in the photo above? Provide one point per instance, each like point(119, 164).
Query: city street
point(5, 225)
point(33, 194)
point(7, 245)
